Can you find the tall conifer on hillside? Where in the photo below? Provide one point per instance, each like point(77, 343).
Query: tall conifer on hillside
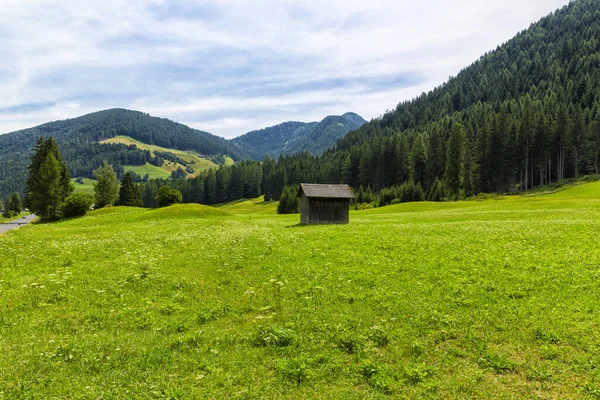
point(129, 193)
point(455, 161)
point(49, 180)
point(15, 204)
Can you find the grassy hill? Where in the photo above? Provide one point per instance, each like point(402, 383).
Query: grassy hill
point(487, 299)
point(250, 206)
point(86, 187)
point(195, 160)
point(81, 143)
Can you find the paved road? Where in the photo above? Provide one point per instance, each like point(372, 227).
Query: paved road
point(9, 226)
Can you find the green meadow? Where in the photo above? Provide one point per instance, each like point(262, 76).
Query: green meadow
point(197, 162)
point(153, 171)
point(476, 299)
point(86, 187)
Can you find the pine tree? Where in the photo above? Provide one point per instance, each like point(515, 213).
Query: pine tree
point(418, 160)
point(106, 189)
point(454, 161)
point(49, 181)
point(129, 193)
point(288, 202)
point(50, 190)
point(210, 187)
point(15, 204)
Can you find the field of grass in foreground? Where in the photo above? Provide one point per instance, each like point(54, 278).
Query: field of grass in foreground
point(493, 299)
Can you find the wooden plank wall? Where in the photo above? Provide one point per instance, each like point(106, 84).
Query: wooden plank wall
point(328, 211)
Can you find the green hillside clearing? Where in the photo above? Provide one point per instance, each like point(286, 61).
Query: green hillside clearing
point(152, 170)
point(250, 206)
point(198, 163)
point(488, 299)
point(86, 187)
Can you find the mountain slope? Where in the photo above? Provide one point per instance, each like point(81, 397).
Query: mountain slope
point(295, 137)
point(79, 139)
point(127, 139)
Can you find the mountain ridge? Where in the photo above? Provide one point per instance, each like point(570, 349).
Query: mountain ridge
point(293, 136)
point(80, 141)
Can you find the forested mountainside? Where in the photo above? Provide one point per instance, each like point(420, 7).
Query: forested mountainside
point(530, 110)
point(525, 114)
point(295, 137)
point(78, 140)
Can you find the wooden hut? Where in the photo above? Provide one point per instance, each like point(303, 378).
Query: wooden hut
point(324, 204)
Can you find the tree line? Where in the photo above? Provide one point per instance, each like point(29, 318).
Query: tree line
point(50, 193)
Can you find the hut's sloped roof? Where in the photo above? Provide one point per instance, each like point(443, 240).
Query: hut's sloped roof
point(325, 191)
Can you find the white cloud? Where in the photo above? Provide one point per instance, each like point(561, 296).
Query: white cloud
point(231, 66)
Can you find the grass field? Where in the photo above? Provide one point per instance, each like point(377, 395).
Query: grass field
point(152, 170)
point(491, 299)
point(199, 164)
point(3, 220)
point(86, 187)
point(250, 206)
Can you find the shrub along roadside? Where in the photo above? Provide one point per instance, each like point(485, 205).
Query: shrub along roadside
point(77, 204)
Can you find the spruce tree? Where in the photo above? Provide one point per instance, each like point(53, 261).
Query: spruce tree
point(15, 204)
point(49, 181)
point(129, 193)
point(418, 160)
point(454, 161)
point(288, 202)
point(50, 189)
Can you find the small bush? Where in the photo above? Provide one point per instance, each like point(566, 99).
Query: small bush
point(498, 363)
point(378, 336)
point(542, 335)
point(368, 368)
point(213, 314)
point(167, 196)
point(9, 214)
point(295, 370)
point(486, 197)
point(77, 204)
point(288, 202)
point(417, 373)
point(269, 336)
point(349, 340)
point(376, 375)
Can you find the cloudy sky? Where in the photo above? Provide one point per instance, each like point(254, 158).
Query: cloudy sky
point(230, 66)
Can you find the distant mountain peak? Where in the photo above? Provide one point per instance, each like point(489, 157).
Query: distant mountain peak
point(294, 137)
